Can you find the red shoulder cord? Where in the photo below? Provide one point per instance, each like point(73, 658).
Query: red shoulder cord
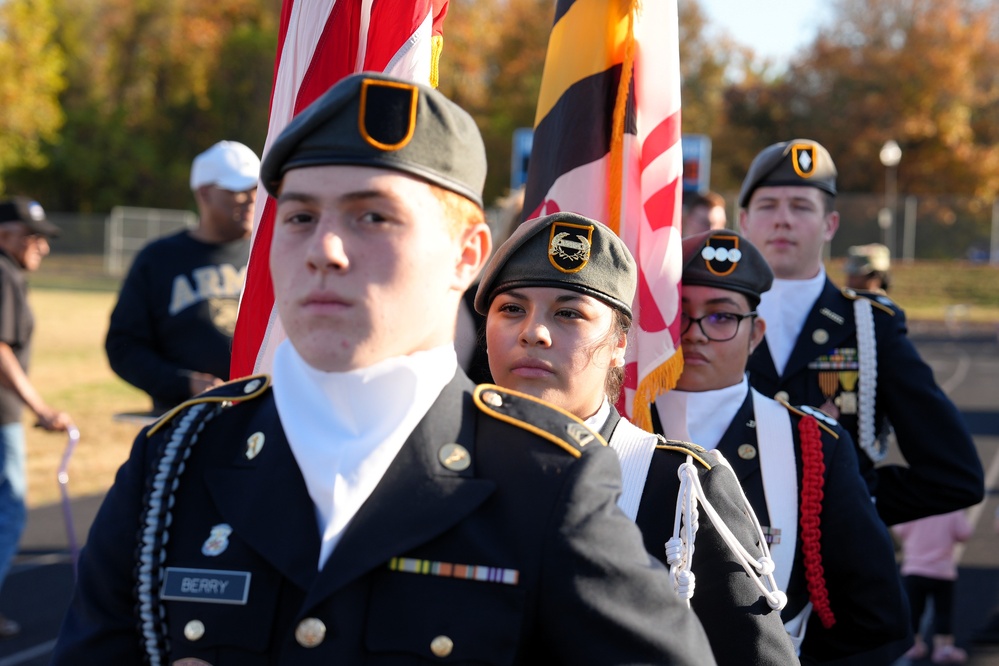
point(813, 469)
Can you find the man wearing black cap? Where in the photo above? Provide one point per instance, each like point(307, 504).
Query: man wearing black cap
point(798, 467)
point(24, 242)
point(372, 505)
point(847, 352)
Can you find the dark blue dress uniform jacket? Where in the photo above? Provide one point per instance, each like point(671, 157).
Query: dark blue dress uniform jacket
point(586, 590)
point(944, 472)
point(740, 625)
point(865, 591)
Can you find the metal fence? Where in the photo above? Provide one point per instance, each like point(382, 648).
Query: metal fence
point(924, 227)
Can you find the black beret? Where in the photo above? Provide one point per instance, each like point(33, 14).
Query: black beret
point(567, 251)
point(724, 259)
point(797, 162)
point(31, 213)
point(379, 121)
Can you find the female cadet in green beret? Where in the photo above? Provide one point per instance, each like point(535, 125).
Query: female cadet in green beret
point(557, 296)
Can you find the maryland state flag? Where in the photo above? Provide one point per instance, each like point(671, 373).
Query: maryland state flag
point(321, 42)
point(607, 146)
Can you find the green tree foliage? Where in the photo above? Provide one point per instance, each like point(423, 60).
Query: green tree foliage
point(494, 53)
point(32, 67)
point(918, 71)
point(151, 84)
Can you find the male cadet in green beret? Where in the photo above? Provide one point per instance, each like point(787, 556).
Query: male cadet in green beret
point(831, 552)
point(372, 506)
point(846, 352)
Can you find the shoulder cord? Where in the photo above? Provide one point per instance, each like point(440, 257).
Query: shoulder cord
point(156, 520)
point(867, 350)
point(813, 468)
point(680, 548)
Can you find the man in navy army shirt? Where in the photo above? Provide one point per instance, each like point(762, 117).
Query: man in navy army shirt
point(171, 331)
point(372, 505)
point(847, 352)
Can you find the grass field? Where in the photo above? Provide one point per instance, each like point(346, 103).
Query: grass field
point(72, 300)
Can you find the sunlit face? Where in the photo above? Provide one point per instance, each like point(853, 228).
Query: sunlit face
point(226, 215)
point(27, 248)
point(707, 364)
point(789, 225)
point(365, 265)
point(553, 344)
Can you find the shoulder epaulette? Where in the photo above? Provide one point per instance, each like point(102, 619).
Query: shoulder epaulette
point(825, 421)
point(237, 390)
point(879, 301)
point(698, 453)
point(537, 416)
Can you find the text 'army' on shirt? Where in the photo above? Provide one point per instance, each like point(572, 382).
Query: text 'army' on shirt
point(222, 281)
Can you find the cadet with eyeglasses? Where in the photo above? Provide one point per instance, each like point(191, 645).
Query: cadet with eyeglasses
point(831, 552)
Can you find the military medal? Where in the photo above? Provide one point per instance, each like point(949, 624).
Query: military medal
point(217, 541)
point(847, 400)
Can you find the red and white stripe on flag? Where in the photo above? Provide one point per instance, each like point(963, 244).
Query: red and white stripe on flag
point(321, 42)
point(607, 145)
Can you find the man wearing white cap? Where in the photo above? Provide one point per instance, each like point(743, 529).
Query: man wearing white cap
point(171, 331)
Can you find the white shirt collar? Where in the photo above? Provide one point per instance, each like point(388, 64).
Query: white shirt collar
point(785, 308)
point(346, 428)
point(706, 414)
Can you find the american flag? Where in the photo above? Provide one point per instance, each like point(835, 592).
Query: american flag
point(607, 146)
point(321, 42)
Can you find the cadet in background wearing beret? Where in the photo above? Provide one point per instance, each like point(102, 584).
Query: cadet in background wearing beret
point(867, 268)
point(847, 352)
point(557, 298)
point(372, 505)
point(797, 466)
point(24, 242)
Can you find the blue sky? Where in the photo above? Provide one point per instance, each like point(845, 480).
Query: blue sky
point(774, 28)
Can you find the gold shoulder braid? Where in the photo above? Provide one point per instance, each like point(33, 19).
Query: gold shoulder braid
point(537, 416)
point(696, 452)
point(237, 390)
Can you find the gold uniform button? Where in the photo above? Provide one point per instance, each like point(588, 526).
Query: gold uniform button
point(492, 398)
point(781, 396)
point(310, 632)
point(194, 630)
point(454, 457)
point(747, 451)
point(820, 336)
point(441, 646)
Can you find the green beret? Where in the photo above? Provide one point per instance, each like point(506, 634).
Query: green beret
point(798, 162)
point(567, 251)
point(724, 259)
point(379, 121)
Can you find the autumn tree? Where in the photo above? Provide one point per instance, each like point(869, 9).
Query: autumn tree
point(494, 54)
point(151, 84)
point(32, 67)
point(918, 71)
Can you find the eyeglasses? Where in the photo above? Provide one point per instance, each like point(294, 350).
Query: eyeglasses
point(717, 326)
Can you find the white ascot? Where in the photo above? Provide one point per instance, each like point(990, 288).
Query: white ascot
point(346, 428)
point(785, 308)
point(709, 413)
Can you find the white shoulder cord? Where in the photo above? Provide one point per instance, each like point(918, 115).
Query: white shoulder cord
point(867, 350)
point(680, 548)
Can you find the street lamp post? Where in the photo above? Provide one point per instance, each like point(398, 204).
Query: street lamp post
point(890, 155)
